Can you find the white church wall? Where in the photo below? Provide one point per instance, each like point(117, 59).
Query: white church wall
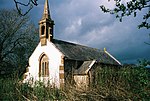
point(54, 56)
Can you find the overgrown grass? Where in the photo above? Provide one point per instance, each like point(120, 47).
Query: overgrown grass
point(13, 90)
point(125, 84)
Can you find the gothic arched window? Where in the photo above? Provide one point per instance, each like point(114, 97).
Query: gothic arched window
point(44, 66)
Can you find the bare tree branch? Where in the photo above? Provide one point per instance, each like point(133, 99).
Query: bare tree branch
point(16, 36)
point(29, 4)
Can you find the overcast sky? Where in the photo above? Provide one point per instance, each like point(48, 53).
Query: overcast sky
point(83, 22)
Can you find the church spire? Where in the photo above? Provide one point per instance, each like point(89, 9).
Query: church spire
point(46, 13)
point(46, 26)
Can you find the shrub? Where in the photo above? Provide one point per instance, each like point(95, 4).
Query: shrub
point(126, 83)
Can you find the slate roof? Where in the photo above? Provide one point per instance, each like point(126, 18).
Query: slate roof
point(83, 53)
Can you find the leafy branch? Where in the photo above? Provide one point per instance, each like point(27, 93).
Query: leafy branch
point(129, 8)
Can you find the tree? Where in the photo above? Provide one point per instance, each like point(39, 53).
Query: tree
point(17, 40)
point(131, 7)
point(29, 4)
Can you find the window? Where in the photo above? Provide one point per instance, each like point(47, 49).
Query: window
point(42, 30)
point(44, 69)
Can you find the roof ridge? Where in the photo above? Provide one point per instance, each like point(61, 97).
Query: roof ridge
point(78, 44)
point(83, 53)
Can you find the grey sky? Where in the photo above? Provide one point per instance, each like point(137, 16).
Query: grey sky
point(83, 22)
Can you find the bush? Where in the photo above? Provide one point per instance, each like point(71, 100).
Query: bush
point(126, 83)
point(130, 83)
point(14, 90)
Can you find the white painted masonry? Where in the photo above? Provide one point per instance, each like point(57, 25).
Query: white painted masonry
point(54, 56)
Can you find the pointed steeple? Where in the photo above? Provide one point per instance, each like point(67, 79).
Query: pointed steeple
point(46, 13)
point(46, 25)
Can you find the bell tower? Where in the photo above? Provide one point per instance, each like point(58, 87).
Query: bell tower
point(46, 26)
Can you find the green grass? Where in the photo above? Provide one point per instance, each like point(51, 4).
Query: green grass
point(124, 84)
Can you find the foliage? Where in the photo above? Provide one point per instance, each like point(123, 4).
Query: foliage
point(130, 83)
point(14, 90)
point(129, 8)
point(126, 83)
point(17, 40)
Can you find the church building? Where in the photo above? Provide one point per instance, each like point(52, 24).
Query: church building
point(57, 62)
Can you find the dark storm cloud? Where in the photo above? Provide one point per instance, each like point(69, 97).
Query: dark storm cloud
point(83, 22)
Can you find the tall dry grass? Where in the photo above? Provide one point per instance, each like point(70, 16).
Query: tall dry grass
point(125, 84)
